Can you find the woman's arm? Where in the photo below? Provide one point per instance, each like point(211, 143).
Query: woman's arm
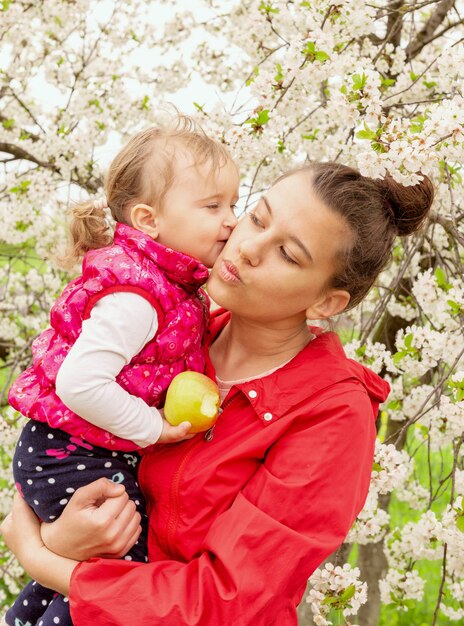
point(21, 531)
point(99, 520)
point(257, 556)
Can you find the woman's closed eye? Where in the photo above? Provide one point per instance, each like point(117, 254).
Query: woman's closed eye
point(255, 219)
point(286, 256)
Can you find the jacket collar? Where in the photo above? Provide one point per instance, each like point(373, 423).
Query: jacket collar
point(178, 267)
point(321, 364)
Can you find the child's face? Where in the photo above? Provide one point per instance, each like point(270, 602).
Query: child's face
point(198, 210)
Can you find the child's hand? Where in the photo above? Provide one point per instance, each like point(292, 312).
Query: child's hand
point(172, 434)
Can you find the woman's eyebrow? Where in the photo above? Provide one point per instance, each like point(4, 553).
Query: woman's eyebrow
point(295, 240)
point(302, 247)
point(267, 205)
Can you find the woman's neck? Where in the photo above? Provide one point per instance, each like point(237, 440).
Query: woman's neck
point(245, 348)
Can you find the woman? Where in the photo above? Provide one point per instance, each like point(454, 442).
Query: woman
point(241, 516)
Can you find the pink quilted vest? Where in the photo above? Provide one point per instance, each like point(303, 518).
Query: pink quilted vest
point(169, 280)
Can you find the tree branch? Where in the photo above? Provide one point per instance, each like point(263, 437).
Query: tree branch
point(425, 35)
point(395, 23)
point(20, 153)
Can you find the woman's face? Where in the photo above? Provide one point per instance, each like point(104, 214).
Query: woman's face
point(278, 262)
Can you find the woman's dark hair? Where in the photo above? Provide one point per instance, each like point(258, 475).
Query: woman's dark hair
point(376, 211)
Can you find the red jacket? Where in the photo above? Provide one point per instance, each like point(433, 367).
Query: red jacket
point(238, 523)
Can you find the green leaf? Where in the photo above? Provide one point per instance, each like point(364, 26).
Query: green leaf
point(199, 107)
point(5, 4)
point(454, 306)
point(329, 600)
point(253, 75)
point(22, 226)
point(394, 405)
point(450, 171)
point(259, 121)
point(312, 136)
point(312, 54)
point(309, 48)
point(7, 124)
point(366, 134)
point(96, 103)
point(144, 104)
point(388, 82)
point(460, 523)
point(376, 467)
point(63, 130)
point(361, 351)
point(321, 56)
point(378, 147)
point(263, 117)
point(399, 356)
point(359, 81)
point(441, 279)
point(417, 123)
point(20, 189)
point(267, 8)
point(440, 276)
point(408, 340)
point(348, 593)
point(422, 429)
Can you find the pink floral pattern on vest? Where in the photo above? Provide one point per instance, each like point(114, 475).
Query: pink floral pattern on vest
point(170, 281)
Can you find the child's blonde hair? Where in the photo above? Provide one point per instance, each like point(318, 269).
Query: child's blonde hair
point(143, 171)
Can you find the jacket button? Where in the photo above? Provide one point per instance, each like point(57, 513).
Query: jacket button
point(267, 417)
point(252, 393)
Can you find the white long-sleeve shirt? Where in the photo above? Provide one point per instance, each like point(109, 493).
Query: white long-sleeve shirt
point(119, 326)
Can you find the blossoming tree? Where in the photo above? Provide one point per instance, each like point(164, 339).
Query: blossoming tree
point(377, 85)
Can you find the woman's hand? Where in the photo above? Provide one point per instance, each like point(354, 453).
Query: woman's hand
point(99, 520)
point(21, 531)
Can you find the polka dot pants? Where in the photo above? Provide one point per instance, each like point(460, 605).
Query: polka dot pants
point(48, 466)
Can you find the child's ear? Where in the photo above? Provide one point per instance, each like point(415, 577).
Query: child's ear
point(333, 302)
point(145, 218)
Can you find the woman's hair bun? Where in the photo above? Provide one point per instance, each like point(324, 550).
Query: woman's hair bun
point(407, 207)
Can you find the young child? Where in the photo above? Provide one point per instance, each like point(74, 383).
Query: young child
point(121, 331)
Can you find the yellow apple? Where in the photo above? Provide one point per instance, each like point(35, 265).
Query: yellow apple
point(194, 398)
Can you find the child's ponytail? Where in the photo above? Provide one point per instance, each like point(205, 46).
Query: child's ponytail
point(89, 229)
